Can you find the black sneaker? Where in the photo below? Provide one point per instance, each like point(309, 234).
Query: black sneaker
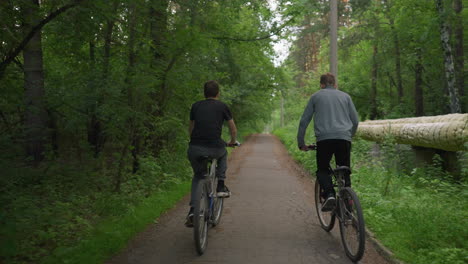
point(329, 203)
point(189, 220)
point(222, 190)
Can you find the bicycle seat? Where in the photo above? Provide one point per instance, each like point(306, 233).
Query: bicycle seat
point(343, 168)
point(206, 158)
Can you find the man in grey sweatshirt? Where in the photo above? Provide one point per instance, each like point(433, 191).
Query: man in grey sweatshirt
point(335, 123)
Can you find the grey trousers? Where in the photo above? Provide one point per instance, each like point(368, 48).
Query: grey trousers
point(195, 155)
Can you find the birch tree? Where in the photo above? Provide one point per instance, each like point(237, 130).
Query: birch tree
point(448, 58)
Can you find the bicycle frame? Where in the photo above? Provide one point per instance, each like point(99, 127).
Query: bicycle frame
point(210, 181)
point(338, 177)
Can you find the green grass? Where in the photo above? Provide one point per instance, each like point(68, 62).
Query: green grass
point(419, 214)
point(421, 224)
point(112, 235)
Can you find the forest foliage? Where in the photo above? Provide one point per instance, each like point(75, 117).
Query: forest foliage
point(95, 95)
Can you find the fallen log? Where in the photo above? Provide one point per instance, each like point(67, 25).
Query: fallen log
point(446, 132)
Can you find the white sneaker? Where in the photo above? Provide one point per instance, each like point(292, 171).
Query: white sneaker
point(329, 204)
point(223, 192)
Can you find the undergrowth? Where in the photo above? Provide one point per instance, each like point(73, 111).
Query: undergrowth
point(58, 213)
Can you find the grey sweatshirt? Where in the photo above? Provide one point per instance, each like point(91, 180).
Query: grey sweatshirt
point(335, 116)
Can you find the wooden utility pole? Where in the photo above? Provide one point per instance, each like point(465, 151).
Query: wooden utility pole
point(334, 38)
point(282, 111)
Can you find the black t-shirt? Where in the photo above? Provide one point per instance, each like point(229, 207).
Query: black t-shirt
point(209, 116)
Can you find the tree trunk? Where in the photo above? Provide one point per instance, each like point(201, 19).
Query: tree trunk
point(93, 125)
point(135, 140)
point(373, 103)
point(158, 31)
point(315, 51)
point(459, 59)
point(132, 19)
point(448, 59)
point(35, 117)
point(397, 62)
point(396, 43)
point(334, 39)
point(418, 91)
point(107, 48)
point(158, 28)
point(95, 129)
point(92, 53)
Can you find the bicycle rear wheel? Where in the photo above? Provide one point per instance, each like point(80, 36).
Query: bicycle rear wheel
point(353, 234)
point(326, 219)
point(200, 218)
point(217, 211)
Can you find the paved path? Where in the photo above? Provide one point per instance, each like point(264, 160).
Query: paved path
point(270, 218)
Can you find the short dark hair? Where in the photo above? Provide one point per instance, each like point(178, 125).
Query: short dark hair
point(327, 79)
point(211, 89)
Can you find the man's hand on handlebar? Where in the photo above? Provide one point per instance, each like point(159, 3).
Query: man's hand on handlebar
point(308, 147)
point(233, 144)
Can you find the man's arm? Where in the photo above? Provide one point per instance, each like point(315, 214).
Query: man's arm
point(191, 126)
point(353, 115)
point(305, 121)
point(233, 130)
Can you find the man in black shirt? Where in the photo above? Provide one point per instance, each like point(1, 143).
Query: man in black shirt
point(206, 124)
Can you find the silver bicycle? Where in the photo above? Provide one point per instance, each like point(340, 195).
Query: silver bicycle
point(208, 207)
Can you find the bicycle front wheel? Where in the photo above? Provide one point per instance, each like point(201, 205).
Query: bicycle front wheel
point(200, 217)
point(353, 234)
point(326, 219)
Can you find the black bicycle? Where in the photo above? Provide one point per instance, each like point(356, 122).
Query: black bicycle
point(208, 207)
point(348, 211)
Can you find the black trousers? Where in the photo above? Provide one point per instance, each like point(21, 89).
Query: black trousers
point(325, 150)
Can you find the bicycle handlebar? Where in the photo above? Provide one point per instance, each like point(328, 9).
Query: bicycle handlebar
point(237, 144)
point(311, 147)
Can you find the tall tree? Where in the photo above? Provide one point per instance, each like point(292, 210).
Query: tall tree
point(397, 51)
point(374, 73)
point(448, 58)
point(35, 116)
point(334, 38)
point(374, 19)
point(134, 138)
point(158, 33)
point(459, 50)
point(96, 135)
point(418, 91)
